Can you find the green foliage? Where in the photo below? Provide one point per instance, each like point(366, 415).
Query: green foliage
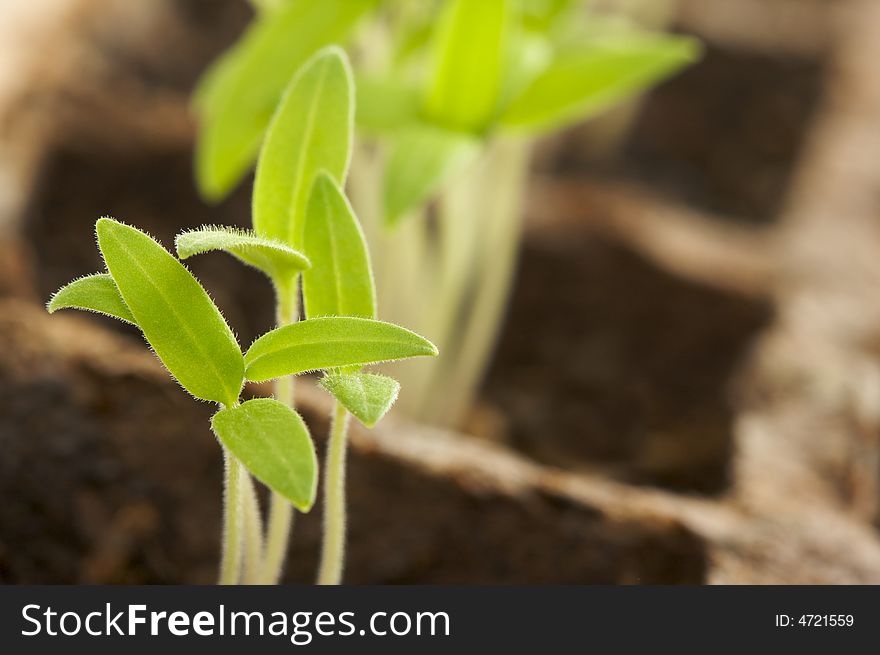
point(95, 293)
point(176, 315)
point(330, 342)
point(274, 444)
point(474, 68)
point(310, 131)
point(274, 258)
point(529, 54)
point(469, 54)
point(367, 396)
point(385, 105)
point(544, 15)
point(586, 80)
point(236, 97)
point(422, 160)
point(341, 284)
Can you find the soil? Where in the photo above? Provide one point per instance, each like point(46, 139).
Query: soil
point(633, 371)
point(112, 477)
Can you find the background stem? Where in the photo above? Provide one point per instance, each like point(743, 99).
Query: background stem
point(333, 551)
point(230, 565)
point(447, 272)
point(480, 309)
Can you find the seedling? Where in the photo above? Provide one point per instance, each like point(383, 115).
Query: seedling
point(147, 287)
point(299, 207)
point(452, 96)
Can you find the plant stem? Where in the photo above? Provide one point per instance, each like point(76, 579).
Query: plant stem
point(280, 525)
point(457, 377)
point(253, 529)
point(280, 521)
point(333, 550)
point(230, 565)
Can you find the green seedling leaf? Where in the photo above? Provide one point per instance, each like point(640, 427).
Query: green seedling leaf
point(178, 319)
point(277, 260)
point(237, 95)
point(274, 444)
point(469, 55)
point(410, 36)
point(587, 80)
point(311, 131)
point(330, 342)
point(528, 56)
point(94, 293)
point(367, 396)
point(385, 105)
point(341, 281)
point(422, 160)
point(544, 15)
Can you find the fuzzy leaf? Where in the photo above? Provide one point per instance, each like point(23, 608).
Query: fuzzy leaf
point(311, 131)
point(469, 55)
point(584, 81)
point(385, 105)
point(341, 281)
point(274, 444)
point(330, 342)
point(94, 293)
point(236, 97)
point(275, 259)
point(422, 160)
point(178, 319)
point(367, 396)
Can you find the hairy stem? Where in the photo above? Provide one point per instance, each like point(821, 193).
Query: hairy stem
point(333, 548)
point(230, 564)
point(253, 529)
point(280, 510)
point(280, 525)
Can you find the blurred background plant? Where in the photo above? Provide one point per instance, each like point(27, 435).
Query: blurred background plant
point(452, 96)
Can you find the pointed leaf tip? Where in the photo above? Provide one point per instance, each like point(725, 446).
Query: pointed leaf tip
point(95, 293)
point(310, 131)
point(330, 342)
point(366, 396)
point(586, 80)
point(176, 315)
point(277, 260)
point(341, 281)
point(274, 444)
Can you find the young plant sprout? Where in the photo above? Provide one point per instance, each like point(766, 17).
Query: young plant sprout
point(147, 287)
point(452, 96)
point(299, 207)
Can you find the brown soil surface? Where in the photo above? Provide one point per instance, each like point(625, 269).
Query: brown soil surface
point(608, 363)
point(111, 475)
